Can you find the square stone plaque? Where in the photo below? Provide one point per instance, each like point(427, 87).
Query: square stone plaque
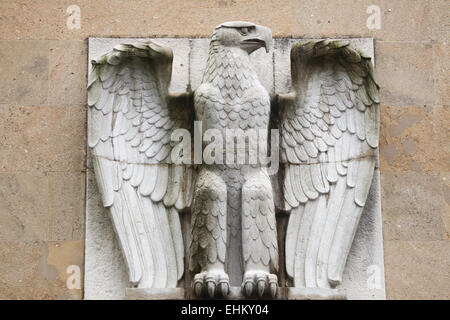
point(105, 271)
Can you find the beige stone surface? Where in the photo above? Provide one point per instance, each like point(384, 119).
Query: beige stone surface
point(415, 139)
point(37, 270)
point(404, 20)
point(441, 67)
point(23, 206)
point(27, 19)
point(44, 139)
point(412, 206)
point(404, 71)
point(401, 20)
point(42, 206)
point(3, 112)
point(417, 269)
point(24, 72)
point(64, 256)
point(441, 16)
point(68, 65)
point(445, 185)
point(66, 205)
point(43, 121)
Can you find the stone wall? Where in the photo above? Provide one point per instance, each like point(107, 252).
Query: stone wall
point(43, 124)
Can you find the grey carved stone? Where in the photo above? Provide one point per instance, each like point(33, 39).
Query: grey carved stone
point(151, 170)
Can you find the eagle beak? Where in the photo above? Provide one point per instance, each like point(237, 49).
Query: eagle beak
point(260, 37)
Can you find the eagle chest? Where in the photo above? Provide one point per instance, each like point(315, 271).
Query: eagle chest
point(251, 111)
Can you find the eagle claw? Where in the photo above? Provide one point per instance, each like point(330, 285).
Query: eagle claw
point(257, 282)
point(211, 283)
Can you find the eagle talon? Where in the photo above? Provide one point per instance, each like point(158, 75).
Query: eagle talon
point(261, 287)
point(211, 288)
point(210, 283)
point(266, 283)
point(273, 287)
point(248, 287)
point(224, 289)
point(198, 286)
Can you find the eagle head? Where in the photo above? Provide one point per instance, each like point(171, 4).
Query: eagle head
point(245, 35)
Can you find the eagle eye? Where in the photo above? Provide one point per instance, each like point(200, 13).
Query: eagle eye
point(244, 30)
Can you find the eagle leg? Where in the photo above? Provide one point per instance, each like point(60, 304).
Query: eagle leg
point(209, 235)
point(259, 236)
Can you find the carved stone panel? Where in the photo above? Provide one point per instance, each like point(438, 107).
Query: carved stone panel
point(328, 127)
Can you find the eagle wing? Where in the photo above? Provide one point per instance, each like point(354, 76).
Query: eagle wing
point(329, 130)
point(130, 123)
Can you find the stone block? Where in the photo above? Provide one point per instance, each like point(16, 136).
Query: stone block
point(25, 78)
point(441, 67)
point(66, 205)
point(37, 270)
point(3, 113)
point(402, 20)
point(68, 72)
point(142, 18)
point(445, 185)
point(155, 294)
point(414, 139)
point(44, 139)
point(404, 70)
point(106, 274)
point(417, 269)
point(412, 207)
point(441, 16)
point(23, 206)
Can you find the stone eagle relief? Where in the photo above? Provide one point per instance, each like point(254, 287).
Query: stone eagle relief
point(150, 167)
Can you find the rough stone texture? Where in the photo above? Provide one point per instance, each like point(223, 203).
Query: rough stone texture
point(419, 269)
point(445, 186)
point(105, 272)
point(413, 209)
point(316, 18)
point(108, 278)
point(30, 20)
point(68, 64)
point(442, 63)
point(156, 294)
point(41, 200)
point(66, 205)
point(39, 206)
point(441, 14)
point(25, 72)
point(415, 139)
point(37, 269)
point(408, 24)
point(43, 139)
point(23, 206)
point(23, 19)
point(235, 294)
point(315, 294)
point(405, 73)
